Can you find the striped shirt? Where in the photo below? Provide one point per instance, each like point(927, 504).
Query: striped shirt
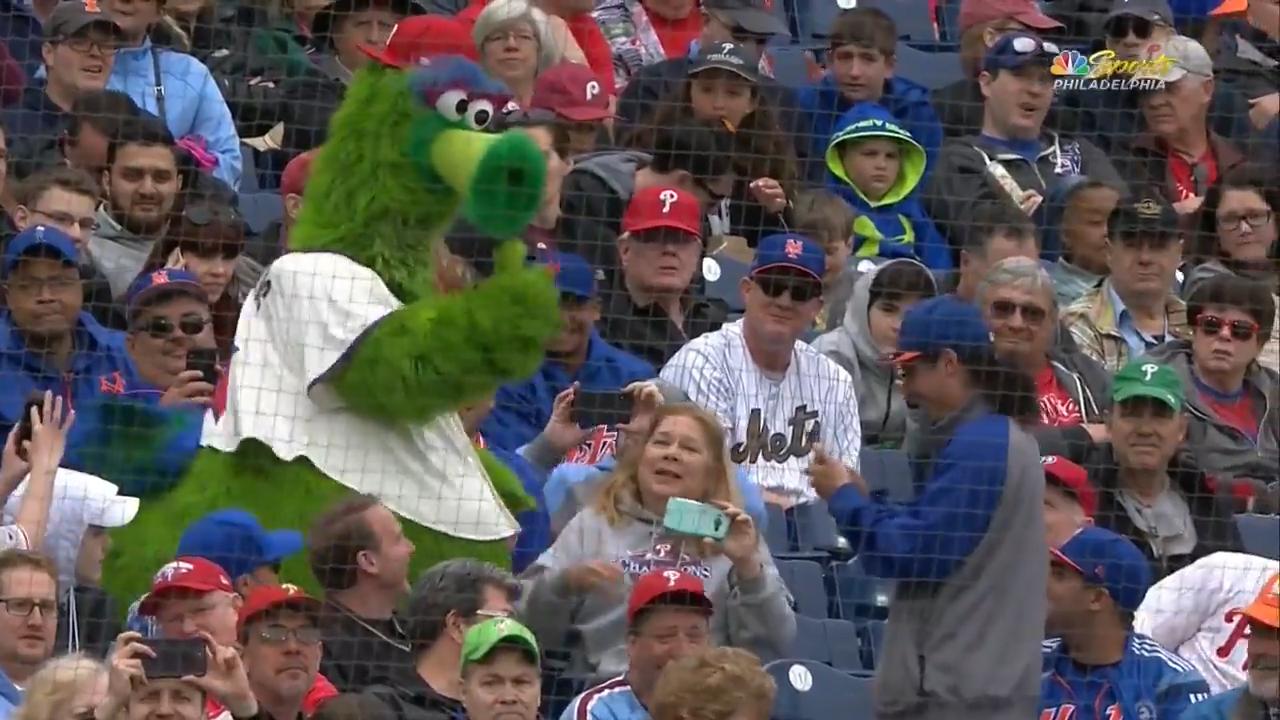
point(610, 700)
point(772, 423)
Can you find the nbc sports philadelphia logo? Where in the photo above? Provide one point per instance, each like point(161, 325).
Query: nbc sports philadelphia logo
point(1102, 70)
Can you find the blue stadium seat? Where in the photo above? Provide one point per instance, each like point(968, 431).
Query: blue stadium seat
point(813, 20)
point(814, 526)
point(871, 640)
point(931, 69)
point(888, 473)
point(860, 596)
point(831, 642)
point(724, 286)
point(790, 65)
point(812, 691)
point(260, 209)
point(775, 532)
point(804, 578)
point(249, 180)
point(1260, 534)
point(558, 690)
point(910, 16)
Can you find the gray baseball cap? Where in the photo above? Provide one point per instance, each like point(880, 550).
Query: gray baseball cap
point(71, 16)
point(1182, 57)
point(1153, 10)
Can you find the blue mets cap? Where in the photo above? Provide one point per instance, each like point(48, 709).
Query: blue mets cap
point(789, 250)
point(574, 275)
point(942, 323)
point(1016, 50)
point(1109, 561)
point(171, 280)
point(43, 240)
point(237, 542)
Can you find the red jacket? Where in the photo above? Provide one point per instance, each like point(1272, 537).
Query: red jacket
point(321, 690)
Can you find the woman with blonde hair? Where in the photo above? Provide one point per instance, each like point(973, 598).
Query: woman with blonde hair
point(715, 684)
point(582, 582)
point(68, 688)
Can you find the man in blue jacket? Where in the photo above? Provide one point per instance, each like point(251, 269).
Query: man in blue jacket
point(173, 86)
point(1097, 668)
point(860, 69)
point(955, 645)
point(577, 359)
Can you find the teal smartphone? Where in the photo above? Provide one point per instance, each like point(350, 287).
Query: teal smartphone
point(690, 517)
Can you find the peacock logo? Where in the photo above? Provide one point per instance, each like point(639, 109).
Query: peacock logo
point(1070, 62)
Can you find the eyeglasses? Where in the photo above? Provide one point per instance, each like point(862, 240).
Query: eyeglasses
point(1238, 330)
point(1005, 309)
point(1255, 218)
point(23, 607)
point(83, 45)
point(1025, 45)
point(162, 328)
point(801, 289)
point(37, 286)
point(87, 225)
point(1120, 27)
point(279, 634)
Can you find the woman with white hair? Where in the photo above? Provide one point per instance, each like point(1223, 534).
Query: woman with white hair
point(68, 688)
point(1018, 300)
point(515, 43)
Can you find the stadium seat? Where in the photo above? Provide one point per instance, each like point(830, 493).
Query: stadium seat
point(888, 473)
point(1260, 534)
point(859, 595)
point(249, 181)
point(812, 691)
point(260, 209)
point(813, 20)
point(792, 65)
point(831, 642)
point(930, 69)
point(722, 282)
point(815, 529)
point(775, 531)
point(871, 641)
point(804, 578)
point(558, 690)
point(910, 16)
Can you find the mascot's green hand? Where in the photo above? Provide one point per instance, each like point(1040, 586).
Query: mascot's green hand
point(444, 352)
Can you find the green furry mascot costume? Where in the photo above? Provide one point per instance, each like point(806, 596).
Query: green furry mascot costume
point(350, 366)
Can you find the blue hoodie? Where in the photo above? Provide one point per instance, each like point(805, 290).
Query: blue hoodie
point(896, 225)
point(821, 106)
point(193, 104)
point(10, 696)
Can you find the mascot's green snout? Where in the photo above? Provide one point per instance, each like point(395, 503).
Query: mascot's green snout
point(350, 365)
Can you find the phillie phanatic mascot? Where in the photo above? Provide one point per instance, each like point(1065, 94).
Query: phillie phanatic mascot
point(350, 365)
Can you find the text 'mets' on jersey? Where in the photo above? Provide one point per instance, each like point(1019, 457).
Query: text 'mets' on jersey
point(296, 329)
point(771, 424)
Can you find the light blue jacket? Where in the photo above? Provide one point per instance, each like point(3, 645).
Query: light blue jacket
point(1223, 706)
point(10, 696)
point(193, 104)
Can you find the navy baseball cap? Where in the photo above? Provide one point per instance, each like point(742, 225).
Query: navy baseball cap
point(788, 250)
point(165, 280)
point(43, 240)
point(940, 323)
point(1109, 561)
point(1016, 50)
point(574, 275)
point(237, 542)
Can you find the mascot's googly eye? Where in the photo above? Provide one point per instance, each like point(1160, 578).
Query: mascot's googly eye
point(479, 114)
point(453, 104)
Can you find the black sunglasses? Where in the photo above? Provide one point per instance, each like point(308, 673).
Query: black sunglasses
point(802, 289)
point(1121, 25)
point(162, 328)
point(1212, 325)
point(1005, 309)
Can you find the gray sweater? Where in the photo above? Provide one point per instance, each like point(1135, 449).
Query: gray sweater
point(755, 615)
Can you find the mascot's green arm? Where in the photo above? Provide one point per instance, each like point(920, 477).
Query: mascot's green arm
point(444, 352)
point(506, 483)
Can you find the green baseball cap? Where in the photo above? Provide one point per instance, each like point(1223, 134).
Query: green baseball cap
point(1143, 378)
point(481, 639)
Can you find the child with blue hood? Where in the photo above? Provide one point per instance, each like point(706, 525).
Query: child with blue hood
point(876, 166)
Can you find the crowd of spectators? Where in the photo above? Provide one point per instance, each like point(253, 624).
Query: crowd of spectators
point(1049, 285)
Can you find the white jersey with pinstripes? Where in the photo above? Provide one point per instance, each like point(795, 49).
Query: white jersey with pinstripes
point(772, 423)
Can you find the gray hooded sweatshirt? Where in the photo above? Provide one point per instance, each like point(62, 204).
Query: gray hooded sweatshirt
point(881, 407)
point(755, 615)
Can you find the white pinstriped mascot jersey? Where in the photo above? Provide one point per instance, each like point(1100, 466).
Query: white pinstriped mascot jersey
point(771, 424)
point(1195, 613)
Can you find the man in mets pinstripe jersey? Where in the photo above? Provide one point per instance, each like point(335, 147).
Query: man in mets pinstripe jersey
point(668, 616)
point(1095, 666)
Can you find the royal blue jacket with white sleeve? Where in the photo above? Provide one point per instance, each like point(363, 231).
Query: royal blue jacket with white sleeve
point(1148, 682)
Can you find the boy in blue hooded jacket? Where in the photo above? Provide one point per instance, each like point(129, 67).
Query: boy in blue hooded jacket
point(875, 164)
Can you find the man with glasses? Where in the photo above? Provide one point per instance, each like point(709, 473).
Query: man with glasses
point(445, 602)
point(79, 52)
point(777, 397)
point(1014, 156)
point(47, 342)
point(169, 317)
point(1135, 308)
point(280, 644)
point(28, 621)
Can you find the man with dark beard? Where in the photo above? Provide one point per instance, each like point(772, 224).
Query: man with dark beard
point(140, 184)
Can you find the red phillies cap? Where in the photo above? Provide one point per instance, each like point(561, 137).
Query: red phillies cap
point(660, 584)
point(294, 178)
point(1072, 478)
point(423, 36)
point(663, 207)
point(571, 91)
point(194, 574)
point(977, 12)
point(269, 597)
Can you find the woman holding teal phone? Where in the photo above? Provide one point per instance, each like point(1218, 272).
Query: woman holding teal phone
point(670, 504)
